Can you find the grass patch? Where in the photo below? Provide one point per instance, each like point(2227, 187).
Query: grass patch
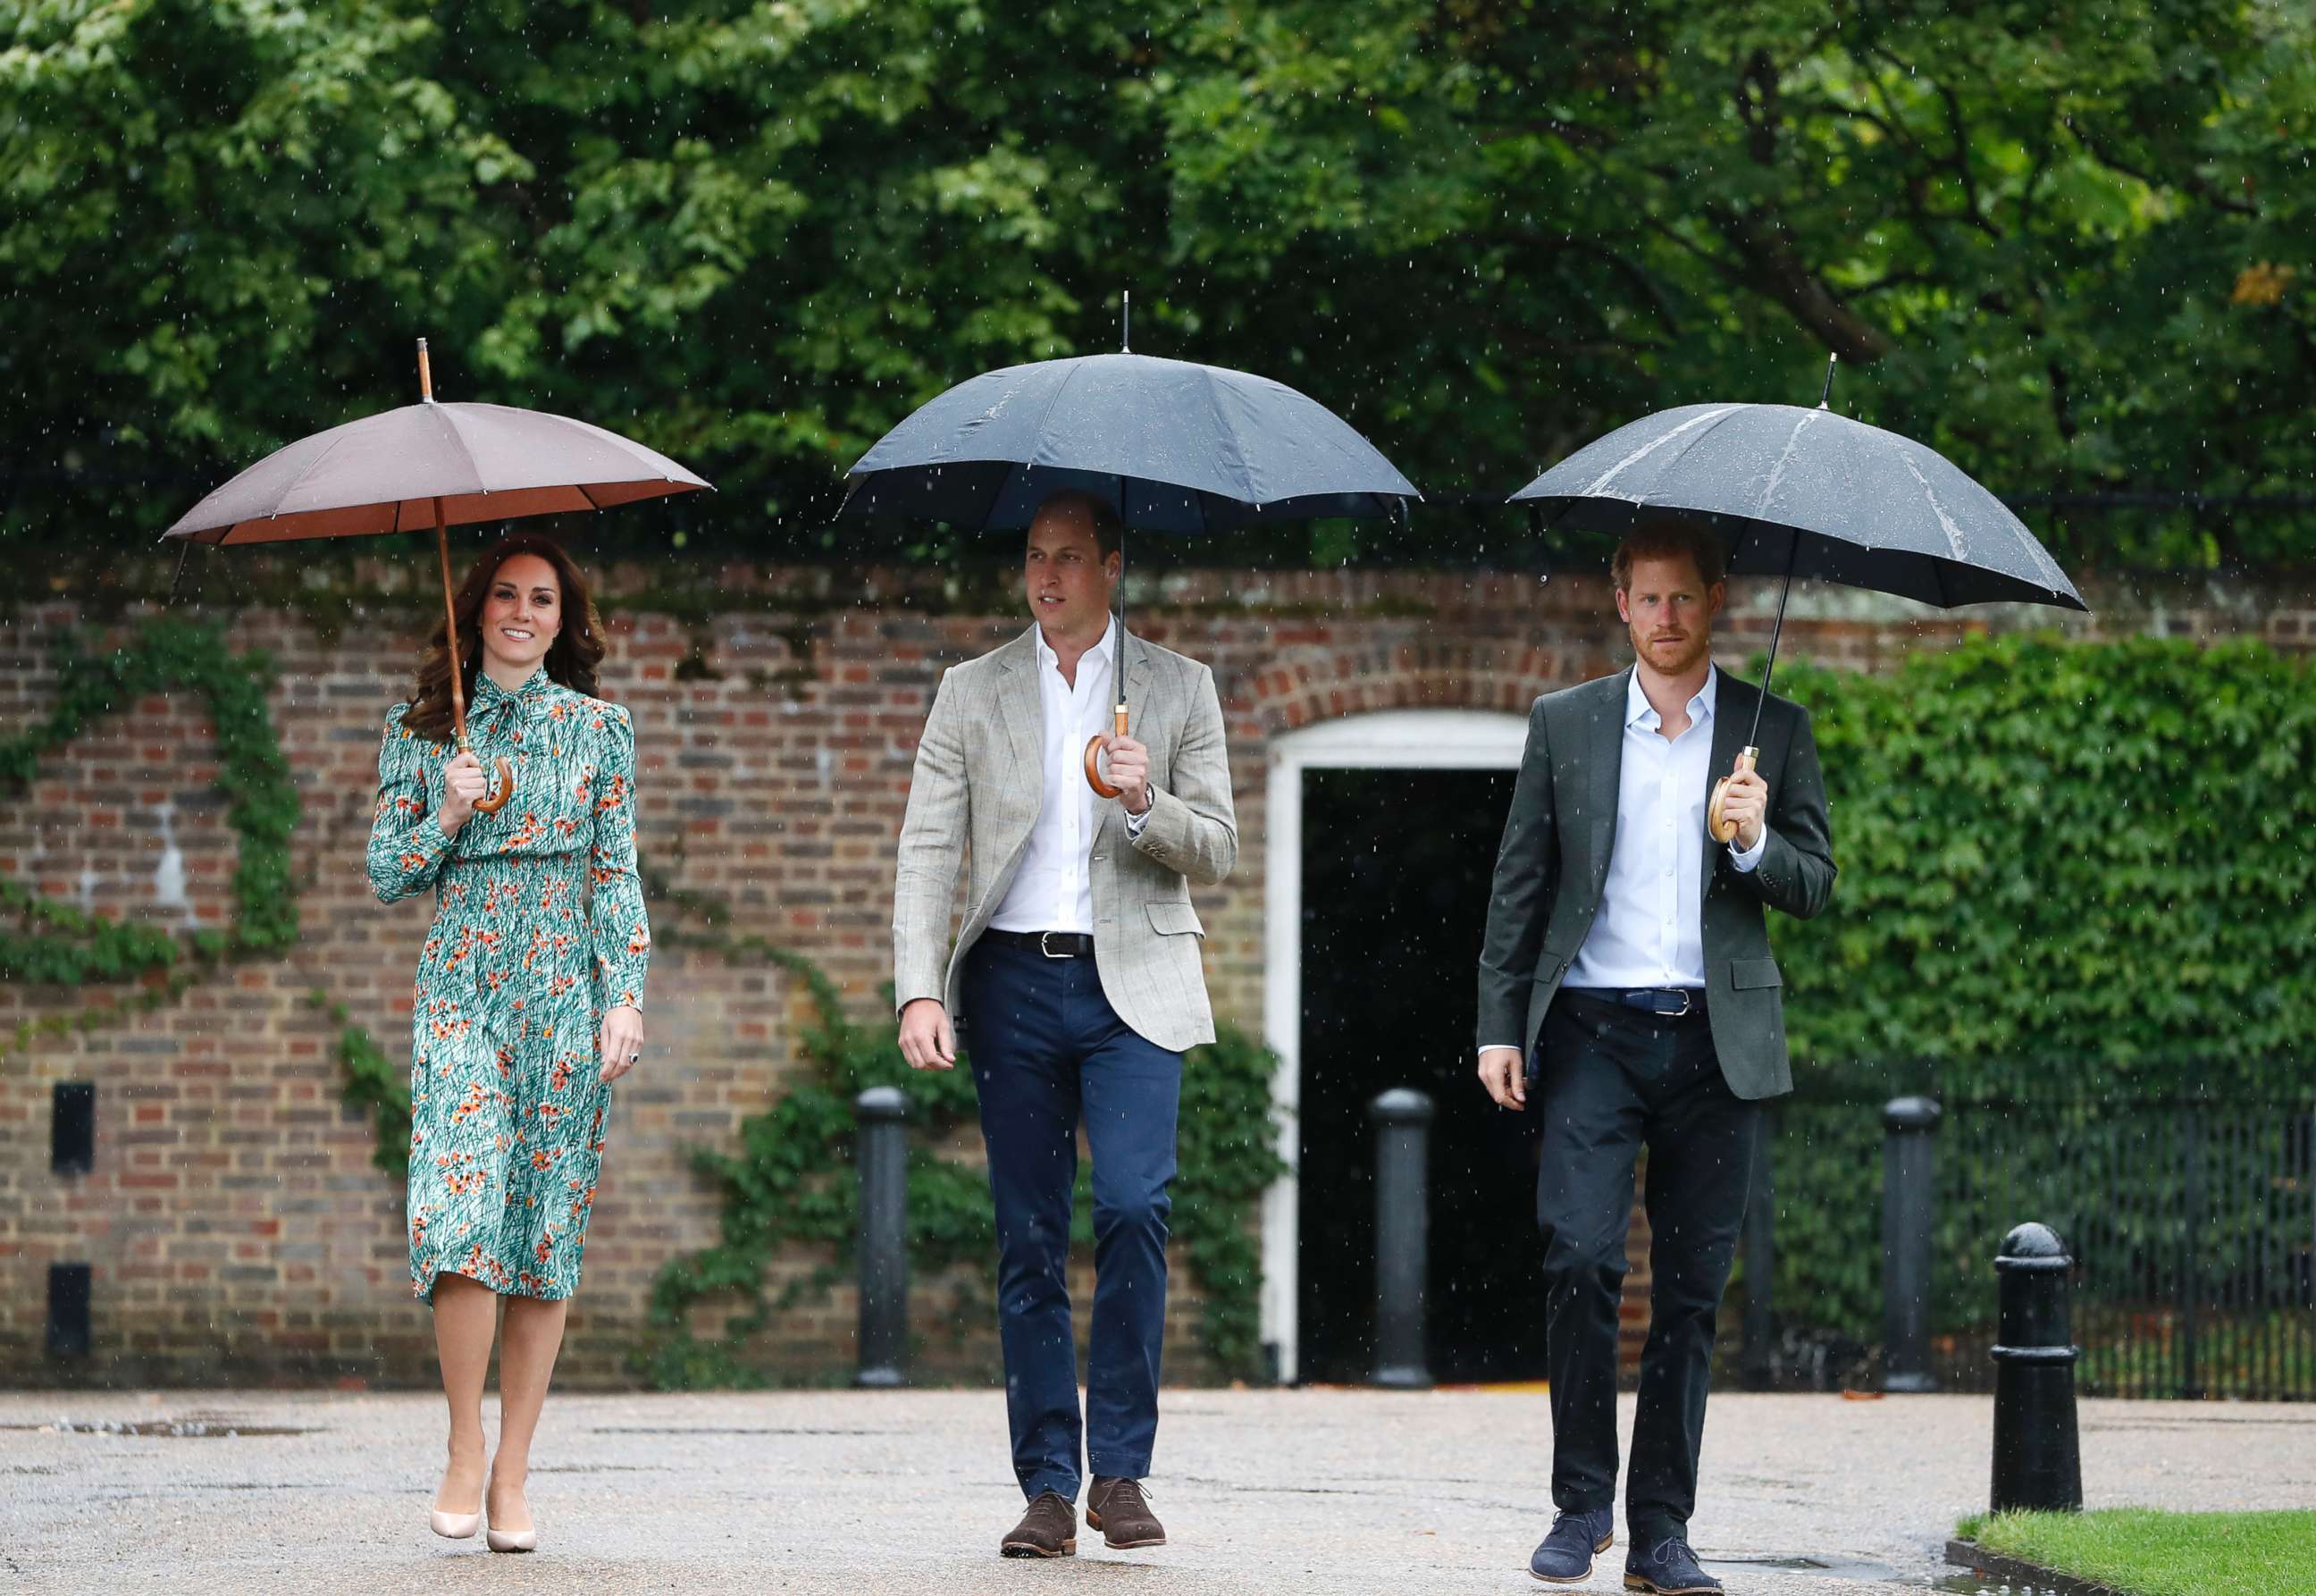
point(2149, 1553)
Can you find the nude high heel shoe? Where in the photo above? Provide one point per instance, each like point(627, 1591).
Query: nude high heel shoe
point(454, 1526)
point(511, 1540)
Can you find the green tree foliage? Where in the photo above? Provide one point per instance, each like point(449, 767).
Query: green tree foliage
point(2068, 243)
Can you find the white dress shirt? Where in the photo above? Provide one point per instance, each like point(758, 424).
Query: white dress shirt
point(1650, 930)
point(1053, 889)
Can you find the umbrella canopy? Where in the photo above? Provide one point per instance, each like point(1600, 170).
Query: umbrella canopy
point(435, 465)
point(1806, 493)
point(389, 473)
point(1809, 493)
point(1171, 445)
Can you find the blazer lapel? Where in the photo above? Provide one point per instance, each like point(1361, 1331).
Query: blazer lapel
point(1605, 759)
point(1138, 675)
point(1021, 710)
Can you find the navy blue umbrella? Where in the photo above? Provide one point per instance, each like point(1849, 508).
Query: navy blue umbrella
point(1171, 445)
point(1796, 491)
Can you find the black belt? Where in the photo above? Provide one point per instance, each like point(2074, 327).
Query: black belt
point(1667, 1003)
point(1053, 944)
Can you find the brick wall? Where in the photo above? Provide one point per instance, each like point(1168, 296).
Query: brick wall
point(236, 1223)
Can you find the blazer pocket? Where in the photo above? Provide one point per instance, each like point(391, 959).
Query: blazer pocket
point(1175, 919)
point(1548, 969)
point(1754, 972)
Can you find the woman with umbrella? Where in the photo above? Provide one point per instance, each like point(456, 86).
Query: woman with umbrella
point(529, 990)
point(522, 818)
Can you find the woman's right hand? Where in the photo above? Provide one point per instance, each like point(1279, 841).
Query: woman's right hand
point(463, 783)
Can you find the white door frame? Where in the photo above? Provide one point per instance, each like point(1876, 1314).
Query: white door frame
point(1395, 739)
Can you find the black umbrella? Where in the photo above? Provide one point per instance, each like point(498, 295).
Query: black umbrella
point(1795, 492)
point(1172, 446)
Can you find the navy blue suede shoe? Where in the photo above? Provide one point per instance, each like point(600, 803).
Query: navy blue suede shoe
point(1667, 1568)
point(1565, 1557)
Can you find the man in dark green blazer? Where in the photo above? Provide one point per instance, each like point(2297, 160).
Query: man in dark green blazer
point(1628, 993)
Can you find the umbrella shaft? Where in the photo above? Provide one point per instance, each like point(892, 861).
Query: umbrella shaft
point(451, 631)
point(1776, 630)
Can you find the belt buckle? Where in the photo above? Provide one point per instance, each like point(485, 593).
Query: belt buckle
point(1688, 995)
point(1048, 952)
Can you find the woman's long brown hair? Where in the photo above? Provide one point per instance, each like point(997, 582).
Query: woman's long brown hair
point(571, 658)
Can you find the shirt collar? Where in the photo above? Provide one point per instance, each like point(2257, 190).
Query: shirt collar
point(532, 695)
point(1639, 711)
point(1049, 660)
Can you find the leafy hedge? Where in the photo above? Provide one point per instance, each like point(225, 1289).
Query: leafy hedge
point(2072, 876)
point(2098, 851)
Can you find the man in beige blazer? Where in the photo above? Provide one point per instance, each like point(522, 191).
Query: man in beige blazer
point(1076, 980)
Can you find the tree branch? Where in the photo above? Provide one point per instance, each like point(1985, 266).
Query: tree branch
point(1775, 269)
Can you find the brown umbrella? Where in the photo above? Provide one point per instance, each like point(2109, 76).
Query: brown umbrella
point(428, 462)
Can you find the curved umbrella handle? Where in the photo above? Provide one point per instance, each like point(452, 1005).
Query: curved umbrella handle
point(1093, 760)
point(1722, 829)
point(491, 802)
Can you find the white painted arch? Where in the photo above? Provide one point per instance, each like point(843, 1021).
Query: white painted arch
point(1396, 739)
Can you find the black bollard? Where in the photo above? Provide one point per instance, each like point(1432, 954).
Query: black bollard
point(1909, 1200)
point(1403, 1121)
point(2037, 1457)
point(882, 1113)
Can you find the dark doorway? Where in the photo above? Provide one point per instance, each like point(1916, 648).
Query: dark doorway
point(1395, 873)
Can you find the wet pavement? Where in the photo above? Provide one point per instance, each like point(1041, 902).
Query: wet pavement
point(1262, 1492)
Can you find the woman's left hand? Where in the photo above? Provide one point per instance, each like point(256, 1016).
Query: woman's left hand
point(622, 1041)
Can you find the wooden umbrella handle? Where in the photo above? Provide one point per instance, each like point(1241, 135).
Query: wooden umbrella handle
point(1722, 829)
point(491, 802)
point(1093, 760)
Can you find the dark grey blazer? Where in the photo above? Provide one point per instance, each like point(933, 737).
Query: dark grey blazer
point(1554, 865)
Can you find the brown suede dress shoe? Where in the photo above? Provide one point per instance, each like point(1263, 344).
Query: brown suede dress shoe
point(1119, 1509)
point(1048, 1530)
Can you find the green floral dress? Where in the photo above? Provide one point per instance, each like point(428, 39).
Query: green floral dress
point(539, 928)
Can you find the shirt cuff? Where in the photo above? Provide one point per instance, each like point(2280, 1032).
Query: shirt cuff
point(1752, 856)
point(1512, 1046)
point(1134, 823)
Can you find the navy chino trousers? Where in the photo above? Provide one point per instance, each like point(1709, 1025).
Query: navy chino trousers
point(1046, 1049)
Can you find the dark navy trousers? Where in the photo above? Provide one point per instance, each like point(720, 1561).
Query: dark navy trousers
point(1608, 1080)
point(1046, 1049)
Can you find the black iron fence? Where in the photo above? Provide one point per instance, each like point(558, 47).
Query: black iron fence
point(2193, 1222)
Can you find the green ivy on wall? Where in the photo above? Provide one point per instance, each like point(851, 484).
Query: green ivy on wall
point(47, 942)
point(792, 1183)
point(374, 1082)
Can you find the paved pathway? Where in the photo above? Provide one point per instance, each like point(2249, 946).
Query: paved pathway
point(1265, 1493)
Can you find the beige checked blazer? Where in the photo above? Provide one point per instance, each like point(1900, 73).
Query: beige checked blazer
point(978, 789)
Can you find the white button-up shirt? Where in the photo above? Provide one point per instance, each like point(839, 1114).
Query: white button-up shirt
point(1650, 930)
point(1053, 889)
